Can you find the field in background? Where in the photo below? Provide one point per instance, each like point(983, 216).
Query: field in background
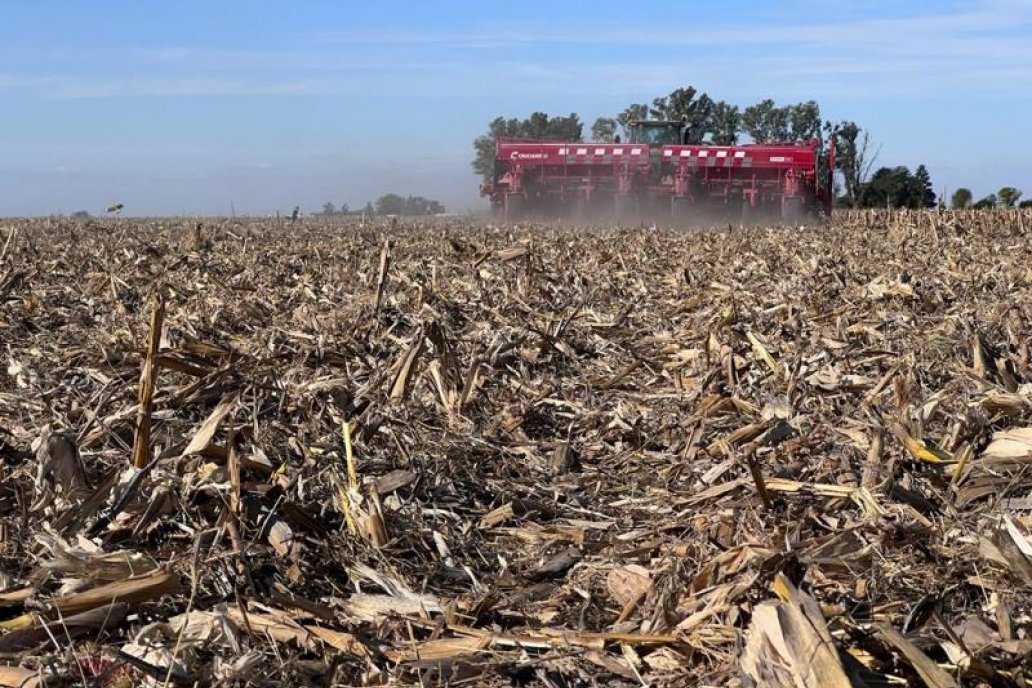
point(395, 451)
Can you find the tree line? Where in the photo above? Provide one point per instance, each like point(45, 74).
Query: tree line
point(718, 122)
point(389, 204)
point(1007, 197)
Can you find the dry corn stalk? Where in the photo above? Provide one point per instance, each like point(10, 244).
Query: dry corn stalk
point(17, 677)
point(789, 644)
point(141, 444)
point(131, 591)
point(634, 342)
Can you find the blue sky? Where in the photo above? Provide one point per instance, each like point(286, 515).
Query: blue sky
point(186, 107)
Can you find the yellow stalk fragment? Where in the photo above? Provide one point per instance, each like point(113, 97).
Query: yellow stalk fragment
point(921, 451)
point(345, 492)
point(349, 455)
point(762, 352)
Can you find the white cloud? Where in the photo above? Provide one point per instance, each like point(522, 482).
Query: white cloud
point(926, 30)
point(332, 60)
point(982, 47)
point(75, 88)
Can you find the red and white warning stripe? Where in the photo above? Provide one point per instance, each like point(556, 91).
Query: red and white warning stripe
point(604, 151)
point(704, 153)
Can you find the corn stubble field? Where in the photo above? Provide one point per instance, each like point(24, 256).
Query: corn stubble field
point(455, 453)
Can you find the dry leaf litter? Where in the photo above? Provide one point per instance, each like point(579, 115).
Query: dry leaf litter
point(352, 452)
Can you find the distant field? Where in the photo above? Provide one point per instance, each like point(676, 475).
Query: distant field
point(577, 455)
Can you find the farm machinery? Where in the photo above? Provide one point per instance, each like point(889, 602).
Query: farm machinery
point(658, 174)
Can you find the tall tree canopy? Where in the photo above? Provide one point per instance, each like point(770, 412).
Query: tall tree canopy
point(896, 187)
point(853, 158)
point(393, 204)
point(390, 204)
point(922, 193)
point(417, 205)
point(683, 106)
point(725, 123)
point(804, 120)
point(961, 199)
point(1008, 196)
point(631, 113)
point(604, 129)
point(765, 122)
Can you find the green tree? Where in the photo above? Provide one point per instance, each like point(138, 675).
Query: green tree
point(853, 158)
point(1008, 196)
point(632, 113)
point(1025, 204)
point(414, 205)
point(896, 187)
point(538, 126)
point(604, 129)
point(765, 122)
point(681, 105)
point(417, 205)
point(368, 210)
point(986, 203)
point(329, 209)
point(804, 121)
point(725, 123)
point(889, 187)
point(921, 192)
point(961, 199)
point(755, 120)
point(390, 204)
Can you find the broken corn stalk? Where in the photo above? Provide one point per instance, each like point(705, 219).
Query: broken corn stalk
point(922, 452)
point(763, 353)
point(345, 492)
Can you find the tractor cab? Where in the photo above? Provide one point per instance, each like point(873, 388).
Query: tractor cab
point(658, 132)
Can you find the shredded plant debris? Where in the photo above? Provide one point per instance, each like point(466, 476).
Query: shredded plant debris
point(351, 452)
